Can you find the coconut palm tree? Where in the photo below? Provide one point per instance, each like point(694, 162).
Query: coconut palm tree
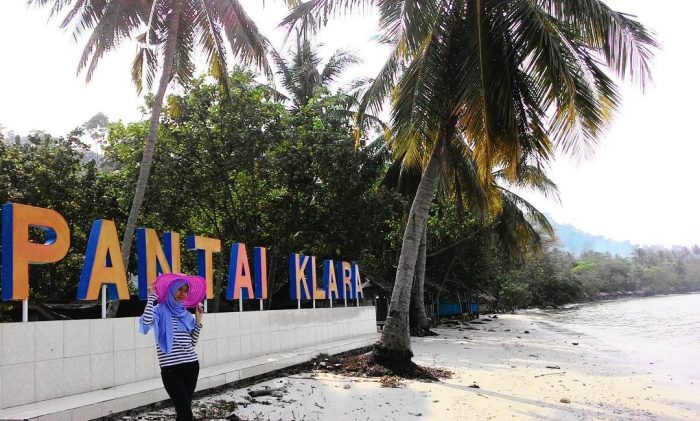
point(502, 79)
point(518, 225)
point(302, 76)
point(168, 33)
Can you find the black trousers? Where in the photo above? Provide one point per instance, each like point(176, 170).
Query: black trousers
point(179, 381)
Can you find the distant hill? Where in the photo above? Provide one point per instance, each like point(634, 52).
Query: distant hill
point(576, 241)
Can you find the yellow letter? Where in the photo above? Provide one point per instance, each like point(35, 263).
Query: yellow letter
point(206, 247)
point(18, 252)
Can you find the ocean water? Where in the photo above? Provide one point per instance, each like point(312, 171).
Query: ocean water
point(660, 333)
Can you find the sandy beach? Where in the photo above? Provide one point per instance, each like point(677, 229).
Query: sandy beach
point(524, 369)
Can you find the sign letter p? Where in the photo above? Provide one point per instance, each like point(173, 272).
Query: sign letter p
point(18, 252)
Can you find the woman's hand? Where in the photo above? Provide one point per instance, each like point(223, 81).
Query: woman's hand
point(152, 298)
point(198, 314)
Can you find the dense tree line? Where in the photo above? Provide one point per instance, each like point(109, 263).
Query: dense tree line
point(241, 168)
point(50, 172)
point(556, 277)
point(247, 169)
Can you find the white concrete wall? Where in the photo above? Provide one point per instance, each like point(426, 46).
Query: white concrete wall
point(46, 360)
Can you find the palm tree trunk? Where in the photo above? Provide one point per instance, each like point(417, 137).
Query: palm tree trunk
point(418, 317)
point(394, 346)
point(149, 149)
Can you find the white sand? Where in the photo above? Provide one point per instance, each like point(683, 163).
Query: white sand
point(510, 369)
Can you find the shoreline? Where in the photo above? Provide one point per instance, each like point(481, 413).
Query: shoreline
point(509, 367)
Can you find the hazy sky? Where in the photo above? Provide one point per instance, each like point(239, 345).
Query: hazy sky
point(641, 185)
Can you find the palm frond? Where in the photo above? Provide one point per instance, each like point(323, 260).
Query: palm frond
point(519, 234)
point(283, 70)
point(337, 64)
point(531, 177)
point(111, 24)
point(316, 13)
point(247, 43)
point(144, 66)
point(288, 3)
point(402, 178)
point(408, 21)
point(626, 44)
point(212, 42)
point(470, 190)
point(420, 112)
point(378, 90)
point(183, 65)
point(532, 212)
point(57, 6)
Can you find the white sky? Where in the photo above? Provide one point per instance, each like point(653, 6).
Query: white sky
point(641, 185)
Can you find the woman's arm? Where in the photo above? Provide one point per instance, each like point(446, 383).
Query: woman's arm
point(147, 317)
point(194, 333)
point(198, 315)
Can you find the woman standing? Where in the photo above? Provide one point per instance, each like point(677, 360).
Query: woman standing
point(176, 331)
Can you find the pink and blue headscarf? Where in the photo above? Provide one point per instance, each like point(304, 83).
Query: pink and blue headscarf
point(164, 314)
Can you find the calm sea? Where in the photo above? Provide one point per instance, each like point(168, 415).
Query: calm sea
point(663, 333)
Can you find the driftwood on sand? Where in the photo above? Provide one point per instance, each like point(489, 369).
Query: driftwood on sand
point(267, 391)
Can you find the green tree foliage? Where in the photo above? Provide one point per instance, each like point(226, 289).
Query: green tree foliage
point(514, 294)
point(47, 172)
point(604, 272)
point(173, 31)
point(248, 170)
point(556, 277)
point(462, 253)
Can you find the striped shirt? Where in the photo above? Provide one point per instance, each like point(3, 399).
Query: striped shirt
point(183, 342)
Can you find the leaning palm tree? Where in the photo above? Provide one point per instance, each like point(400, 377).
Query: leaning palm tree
point(500, 78)
point(465, 187)
point(168, 33)
point(516, 222)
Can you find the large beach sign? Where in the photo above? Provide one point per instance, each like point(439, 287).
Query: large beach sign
point(103, 268)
